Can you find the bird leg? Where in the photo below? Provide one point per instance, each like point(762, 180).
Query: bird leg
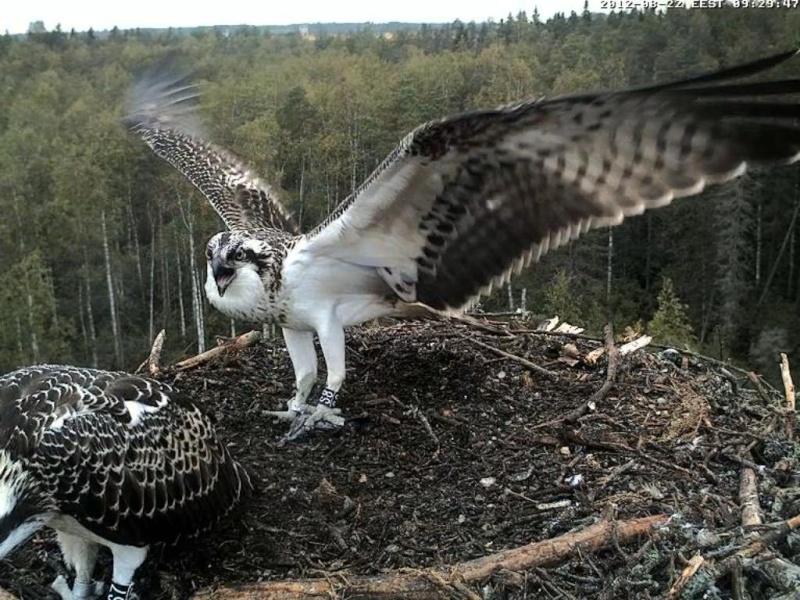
point(80, 590)
point(325, 415)
point(81, 555)
point(300, 345)
point(126, 560)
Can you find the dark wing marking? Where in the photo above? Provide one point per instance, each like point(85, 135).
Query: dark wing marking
point(133, 461)
point(464, 202)
point(161, 111)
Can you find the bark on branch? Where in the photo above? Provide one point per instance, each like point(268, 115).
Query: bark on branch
point(427, 584)
point(243, 341)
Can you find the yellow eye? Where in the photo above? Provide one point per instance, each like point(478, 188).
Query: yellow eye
point(240, 255)
point(208, 253)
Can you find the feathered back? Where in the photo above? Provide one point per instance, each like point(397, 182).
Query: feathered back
point(126, 456)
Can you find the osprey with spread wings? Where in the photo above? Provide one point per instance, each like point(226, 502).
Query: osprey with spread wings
point(462, 203)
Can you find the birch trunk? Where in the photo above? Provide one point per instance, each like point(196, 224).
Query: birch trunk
point(111, 295)
point(181, 308)
point(134, 238)
point(197, 298)
point(151, 333)
point(89, 311)
point(32, 330)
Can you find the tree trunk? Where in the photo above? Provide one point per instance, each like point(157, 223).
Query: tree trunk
point(151, 332)
point(759, 244)
point(134, 238)
point(197, 297)
point(32, 328)
point(89, 311)
point(789, 235)
point(610, 266)
point(181, 308)
point(510, 297)
point(301, 193)
point(111, 295)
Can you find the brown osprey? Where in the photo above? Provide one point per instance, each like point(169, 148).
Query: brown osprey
point(462, 203)
point(107, 459)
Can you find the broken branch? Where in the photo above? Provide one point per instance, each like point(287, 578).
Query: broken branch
point(243, 341)
point(788, 387)
point(418, 584)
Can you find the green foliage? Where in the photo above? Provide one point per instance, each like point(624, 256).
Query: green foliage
point(670, 325)
point(561, 299)
point(30, 328)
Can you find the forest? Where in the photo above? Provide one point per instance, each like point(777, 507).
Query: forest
point(102, 243)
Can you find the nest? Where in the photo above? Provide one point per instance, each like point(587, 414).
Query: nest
point(468, 444)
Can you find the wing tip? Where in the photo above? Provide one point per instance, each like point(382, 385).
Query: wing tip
point(163, 97)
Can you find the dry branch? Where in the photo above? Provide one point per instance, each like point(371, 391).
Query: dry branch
point(688, 572)
point(748, 498)
point(759, 387)
point(243, 341)
point(611, 377)
point(635, 345)
point(788, 387)
point(712, 571)
point(523, 361)
point(153, 362)
point(6, 595)
point(419, 584)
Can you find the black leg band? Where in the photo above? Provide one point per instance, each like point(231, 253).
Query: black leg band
point(328, 398)
point(118, 592)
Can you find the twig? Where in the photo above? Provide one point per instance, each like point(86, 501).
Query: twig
point(243, 341)
point(473, 322)
point(417, 585)
point(712, 572)
point(523, 361)
point(611, 377)
point(759, 388)
point(788, 387)
point(688, 572)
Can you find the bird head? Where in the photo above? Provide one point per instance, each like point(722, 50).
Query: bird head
point(230, 253)
point(22, 505)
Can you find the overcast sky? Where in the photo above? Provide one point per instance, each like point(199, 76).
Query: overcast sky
point(16, 15)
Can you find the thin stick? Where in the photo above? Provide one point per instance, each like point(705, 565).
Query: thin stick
point(788, 387)
point(694, 564)
point(759, 387)
point(611, 377)
point(514, 357)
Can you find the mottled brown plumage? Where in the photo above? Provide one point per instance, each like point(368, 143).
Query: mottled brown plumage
point(110, 458)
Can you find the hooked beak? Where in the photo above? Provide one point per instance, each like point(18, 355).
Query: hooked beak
point(223, 274)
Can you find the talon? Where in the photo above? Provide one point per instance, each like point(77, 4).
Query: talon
point(288, 415)
point(322, 418)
